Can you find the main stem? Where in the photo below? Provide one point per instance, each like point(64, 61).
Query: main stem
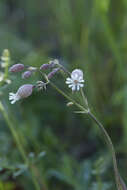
point(109, 142)
point(68, 97)
point(120, 183)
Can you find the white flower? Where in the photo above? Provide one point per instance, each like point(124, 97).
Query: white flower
point(23, 92)
point(76, 81)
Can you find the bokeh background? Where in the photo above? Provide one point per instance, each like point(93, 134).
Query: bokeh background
point(67, 150)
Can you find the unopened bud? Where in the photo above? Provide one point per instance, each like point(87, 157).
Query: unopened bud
point(26, 74)
point(16, 68)
point(69, 104)
point(51, 74)
point(50, 65)
point(25, 90)
point(45, 66)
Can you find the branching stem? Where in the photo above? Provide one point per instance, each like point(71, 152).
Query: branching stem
point(119, 182)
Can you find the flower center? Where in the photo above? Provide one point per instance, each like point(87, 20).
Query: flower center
point(75, 81)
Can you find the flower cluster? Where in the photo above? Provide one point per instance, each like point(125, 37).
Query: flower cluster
point(26, 90)
point(75, 81)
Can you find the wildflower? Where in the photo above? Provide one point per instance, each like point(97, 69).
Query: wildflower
point(76, 80)
point(23, 92)
point(26, 74)
point(16, 68)
point(53, 72)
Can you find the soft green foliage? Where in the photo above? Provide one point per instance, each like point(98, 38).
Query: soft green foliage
point(65, 149)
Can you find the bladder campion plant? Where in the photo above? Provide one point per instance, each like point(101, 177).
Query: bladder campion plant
point(75, 82)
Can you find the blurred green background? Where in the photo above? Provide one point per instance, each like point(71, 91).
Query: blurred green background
point(67, 150)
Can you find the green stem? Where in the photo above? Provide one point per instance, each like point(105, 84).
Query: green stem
point(120, 183)
point(19, 145)
point(13, 131)
point(109, 142)
point(68, 97)
point(84, 98)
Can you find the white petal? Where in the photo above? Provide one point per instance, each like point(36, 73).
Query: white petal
point(77, 73)
point(11, 93)
point(74, 77)
point(13, 97)
point(78, 87)
point(68, 82)
point(81, 85)
point(70, 85)
point(69, 79)
point(13, 101)
point(73, 88)
point(81, 80)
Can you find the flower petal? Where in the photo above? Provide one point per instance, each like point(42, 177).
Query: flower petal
point(68, 82)
point(70, 85)
point(81, 80)
point(69, 79)
point(78, 87)
point(73, 88)
point(81, 85)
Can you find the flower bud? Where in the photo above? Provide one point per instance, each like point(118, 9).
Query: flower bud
point(23, 92)
point(16, 68)
point(26, 74)
point(50, 65)
point(51, 74)
point(69, 104)
point(45, 66)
